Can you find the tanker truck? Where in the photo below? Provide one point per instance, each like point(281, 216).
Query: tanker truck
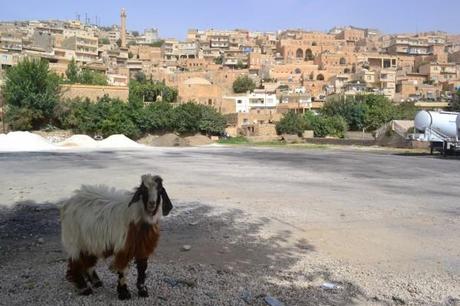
point(441, 129)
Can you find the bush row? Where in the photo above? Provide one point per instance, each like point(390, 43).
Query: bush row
point(322, 125)
point(368, 112)
point(112, 116)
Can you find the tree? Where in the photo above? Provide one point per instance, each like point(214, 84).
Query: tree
point(72, 71)
point(406, 111)
point(89, 77)
point(455, 104)
point(186, 118)
point(104, 41)
point(219, 60)
point(149, 91)
point(291, 123)
point(84, 76)
point(31, 92)
point(381, 110)
point(352, 110)
point(243, 84)
point(212, 122)
point(156, 117)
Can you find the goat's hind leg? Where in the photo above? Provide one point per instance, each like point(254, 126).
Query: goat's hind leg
point(75, 274)
point(141, 267)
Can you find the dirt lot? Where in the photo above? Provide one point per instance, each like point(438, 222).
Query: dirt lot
point(261, 222)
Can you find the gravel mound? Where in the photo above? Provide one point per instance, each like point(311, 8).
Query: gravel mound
point(147, 140)
point(173, 140)
point(169, 140)
point(24, 141)
point(79, 141)
point(118, 141)
point(198, 140)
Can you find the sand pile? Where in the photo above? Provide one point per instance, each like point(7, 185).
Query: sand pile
point(24, 141)
point(79, 141)
point(147, 140)
point(169, 140)
point(173, 140)
point(118, 141)
point(198, 140)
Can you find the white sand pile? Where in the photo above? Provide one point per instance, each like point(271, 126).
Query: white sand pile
point(83, 141)
point(24, 141)
point(118, 141)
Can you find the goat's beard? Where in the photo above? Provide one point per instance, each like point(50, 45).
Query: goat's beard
point(152, 212)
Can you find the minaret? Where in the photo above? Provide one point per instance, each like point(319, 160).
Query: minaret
point(123, 28)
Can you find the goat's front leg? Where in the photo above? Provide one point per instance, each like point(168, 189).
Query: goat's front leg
point(122, 287)
point(141, 264)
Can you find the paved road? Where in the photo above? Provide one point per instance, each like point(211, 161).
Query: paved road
point(389, 223)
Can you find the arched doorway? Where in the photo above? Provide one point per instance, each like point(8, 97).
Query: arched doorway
point(309, 55)
point(299, 53)
point(297, 71)
point(342, 61)
point(320, 77)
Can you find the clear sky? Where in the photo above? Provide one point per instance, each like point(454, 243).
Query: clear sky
point(173, 18)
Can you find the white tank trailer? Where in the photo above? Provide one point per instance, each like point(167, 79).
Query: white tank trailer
point(441, 129)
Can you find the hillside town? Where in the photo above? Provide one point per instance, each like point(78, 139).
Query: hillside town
point(293, 70)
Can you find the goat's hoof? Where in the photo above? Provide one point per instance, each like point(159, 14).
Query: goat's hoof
point(142, 290)
point(86, 291)
point(97, 284)
point(123, 293)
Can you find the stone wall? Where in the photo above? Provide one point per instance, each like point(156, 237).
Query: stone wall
point(93, 92)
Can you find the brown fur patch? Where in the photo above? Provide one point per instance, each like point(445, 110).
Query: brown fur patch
point(141, 241)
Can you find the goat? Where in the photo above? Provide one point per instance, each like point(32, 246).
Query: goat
point(98, 222)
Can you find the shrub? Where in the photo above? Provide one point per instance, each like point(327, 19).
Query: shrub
point(323, 126)
point(369, 111)
point(156, 117)
point(243, 84)
point(353, 111)
point(76, 75)
point(291, 123)
point(212, 122)
point(149, 91)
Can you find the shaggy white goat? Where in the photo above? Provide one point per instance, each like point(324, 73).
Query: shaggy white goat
point(99, 221)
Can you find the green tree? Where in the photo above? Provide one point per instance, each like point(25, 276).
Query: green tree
point(156, 117)
point(104, 41)
point(186, 118)
point(72, 71)
point(89, 77)
point(291, 123)
point(243, 84)
point(158, 43)
point(219, 60)
point(353, 110)
point(406, 111)
point(455, 104)
point(31, 92)
point(149, 91)
point(211, 122)
point(381, 110)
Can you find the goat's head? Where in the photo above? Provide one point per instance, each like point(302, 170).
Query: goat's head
point(153, 194)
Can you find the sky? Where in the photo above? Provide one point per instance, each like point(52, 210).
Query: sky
point(173, 18)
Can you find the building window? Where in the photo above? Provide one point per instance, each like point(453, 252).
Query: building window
point(239, 101)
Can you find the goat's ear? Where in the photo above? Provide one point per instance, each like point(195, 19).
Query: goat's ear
point(137, 194)
point(167, 205)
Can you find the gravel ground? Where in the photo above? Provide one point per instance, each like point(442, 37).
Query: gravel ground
point(261, 223)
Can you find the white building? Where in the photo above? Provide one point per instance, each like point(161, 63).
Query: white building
point(258, 99)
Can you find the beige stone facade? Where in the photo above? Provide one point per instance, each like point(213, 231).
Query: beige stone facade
point(94, 92)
